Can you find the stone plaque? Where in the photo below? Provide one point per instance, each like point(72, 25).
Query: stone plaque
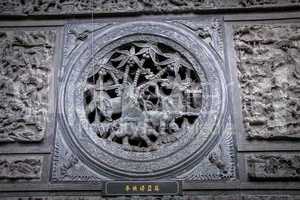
point(144, 100)
point(142, 188)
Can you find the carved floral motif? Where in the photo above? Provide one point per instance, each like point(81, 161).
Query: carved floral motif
point(268, 61)
point(25, 64)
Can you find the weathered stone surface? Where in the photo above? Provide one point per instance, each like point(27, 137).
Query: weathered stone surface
point(268, 62)
point(143, 97)
point(20, 167)
point(219, 164)
point(63, 7)
point(25, 65)
point(184, 197)
point(270, 197)
point(67, 166)
point(274, 166)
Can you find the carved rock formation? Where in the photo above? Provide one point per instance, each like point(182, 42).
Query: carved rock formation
point(25, 64)
point(274, 166)
point(28, 167)
point(268, 62)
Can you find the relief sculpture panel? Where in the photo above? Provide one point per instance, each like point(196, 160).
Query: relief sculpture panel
point(26, 64)
point(268, 61)
point(64, 7)
point(280, 166)
point(135, 102)
point(20, 167)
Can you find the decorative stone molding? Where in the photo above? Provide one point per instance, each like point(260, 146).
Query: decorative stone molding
point(136, 102)
point(26, 64)
point(67, 7)
point(20, 167)
point(268, 63)
point(274, 166)
point(270, 197)
point(67, 167)
point(185, 197)
point(219, 164)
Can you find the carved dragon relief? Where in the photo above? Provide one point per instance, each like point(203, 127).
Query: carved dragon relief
point(146, 95)
point(25, 65)
point(268, 61)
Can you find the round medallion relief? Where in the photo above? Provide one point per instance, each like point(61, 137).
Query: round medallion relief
point(143, 100)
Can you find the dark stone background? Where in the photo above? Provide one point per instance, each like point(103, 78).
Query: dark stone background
point(261, 52)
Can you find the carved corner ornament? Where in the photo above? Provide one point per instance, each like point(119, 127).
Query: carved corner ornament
point(268, 63)
point(26, 64)
point(136, 102)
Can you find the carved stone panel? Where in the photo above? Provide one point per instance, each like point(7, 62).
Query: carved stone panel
point(136, 102)
point(65, 7)
point(20, 167)
point(279, 166)
point(25, 66)
point(268, 61)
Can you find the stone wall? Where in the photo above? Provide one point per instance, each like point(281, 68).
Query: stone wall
point(203, 92)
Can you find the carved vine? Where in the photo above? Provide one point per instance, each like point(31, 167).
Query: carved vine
point(145, 96)
point(25, 64)
point(268, 61)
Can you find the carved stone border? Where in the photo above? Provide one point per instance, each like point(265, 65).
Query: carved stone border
point(56, 8)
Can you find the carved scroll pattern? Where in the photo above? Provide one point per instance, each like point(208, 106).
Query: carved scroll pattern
point(268, 59)
point(25, 65)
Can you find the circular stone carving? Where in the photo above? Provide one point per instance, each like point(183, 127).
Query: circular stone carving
point(143, 100)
